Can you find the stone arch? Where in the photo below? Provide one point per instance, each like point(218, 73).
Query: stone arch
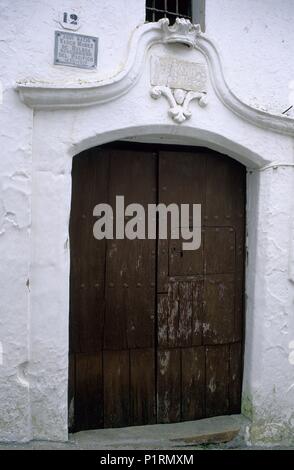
point(185, 135)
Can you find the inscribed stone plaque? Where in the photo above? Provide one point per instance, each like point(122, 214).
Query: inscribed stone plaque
point(175, 73)
point(75, 50)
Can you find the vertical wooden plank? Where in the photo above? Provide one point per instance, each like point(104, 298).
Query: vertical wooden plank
point(239, 308)
point(197, 318)
point(185, 314)
point(240, 245)
point(142, 387)
point(219, 309)
point(173, 314)
point(169, 386)
point(162, 262)
point(193, 383)
point(116, 366)
point(217, 380)
point(235, 377)
point(162, 316)
point(88, 392)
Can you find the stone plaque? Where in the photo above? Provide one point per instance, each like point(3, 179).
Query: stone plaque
point(175, 73)
point(75, 50)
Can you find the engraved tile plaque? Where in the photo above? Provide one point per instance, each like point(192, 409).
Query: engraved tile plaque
point(75, 50)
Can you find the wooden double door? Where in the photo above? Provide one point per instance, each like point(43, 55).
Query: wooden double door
point(155, 331)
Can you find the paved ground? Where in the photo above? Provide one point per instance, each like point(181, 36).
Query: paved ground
point(222, 432)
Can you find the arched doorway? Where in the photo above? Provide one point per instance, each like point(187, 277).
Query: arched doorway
point(156, 333)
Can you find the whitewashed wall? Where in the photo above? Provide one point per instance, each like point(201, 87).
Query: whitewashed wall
point(256, 40)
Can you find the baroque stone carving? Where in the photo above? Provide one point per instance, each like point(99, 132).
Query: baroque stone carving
point(179, 101)
point(180, 82)
point(182, 31)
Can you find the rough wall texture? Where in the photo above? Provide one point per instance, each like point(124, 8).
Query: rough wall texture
point(256, 42)
point(256, 39)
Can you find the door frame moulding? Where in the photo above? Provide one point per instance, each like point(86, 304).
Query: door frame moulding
point(39, 95)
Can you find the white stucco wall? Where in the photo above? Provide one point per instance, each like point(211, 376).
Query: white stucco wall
point(255, 38)
point(256, 41)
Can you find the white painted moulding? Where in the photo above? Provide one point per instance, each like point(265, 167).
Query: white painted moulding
point(42, 95)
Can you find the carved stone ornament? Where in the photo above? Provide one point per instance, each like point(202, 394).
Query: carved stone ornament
point(179, 101)
point(180, 82)
point(182, 31)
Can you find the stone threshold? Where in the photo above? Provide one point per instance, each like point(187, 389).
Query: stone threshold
point(225, 431)
point(216, 430)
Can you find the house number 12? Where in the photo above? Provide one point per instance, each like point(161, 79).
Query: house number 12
point(73, 18)
point(69, 20)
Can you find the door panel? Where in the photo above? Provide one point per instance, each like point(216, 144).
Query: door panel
point(156, 332)
point(197, 319)
point(203, 303)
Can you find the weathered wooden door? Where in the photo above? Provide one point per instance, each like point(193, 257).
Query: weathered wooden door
point(155, 331)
